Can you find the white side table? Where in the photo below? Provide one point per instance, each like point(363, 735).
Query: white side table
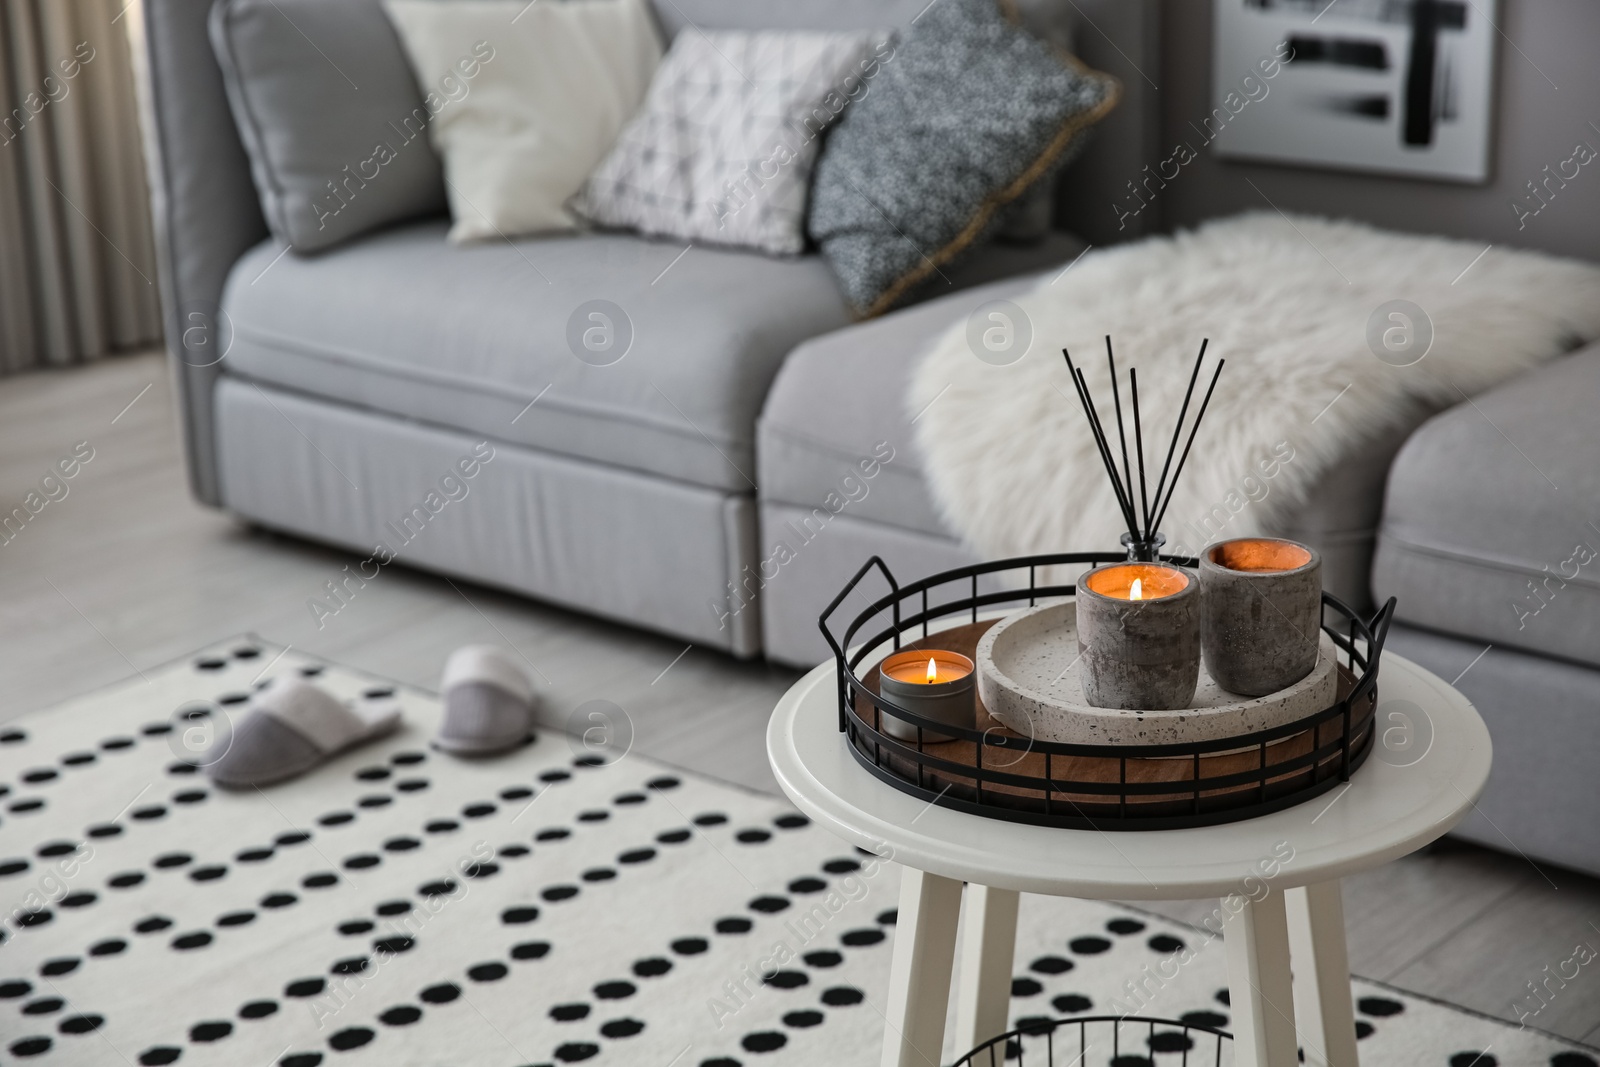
point(1393, 805)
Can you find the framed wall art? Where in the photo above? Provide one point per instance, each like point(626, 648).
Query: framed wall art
point(1399, 86)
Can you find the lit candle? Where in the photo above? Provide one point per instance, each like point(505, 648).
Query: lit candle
point(1137, 581)
point(933, 683)
point(914, 672)
point(1263, 613)
point(1139, 636)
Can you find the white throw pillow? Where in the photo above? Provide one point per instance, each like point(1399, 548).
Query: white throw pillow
point(723, 149)
point(520, 137)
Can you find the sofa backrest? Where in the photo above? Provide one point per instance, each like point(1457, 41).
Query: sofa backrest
point(1049, 17)
point(678, 15)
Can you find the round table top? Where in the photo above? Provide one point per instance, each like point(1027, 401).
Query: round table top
point(1428, 769)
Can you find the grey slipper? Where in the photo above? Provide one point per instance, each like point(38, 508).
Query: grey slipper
point(290, 727)
point(488, 702)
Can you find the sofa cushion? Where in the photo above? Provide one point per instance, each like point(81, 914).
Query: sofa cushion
point(721, 152)
point(469, 337)
point(565, 80)
point(971, 111)
point(840, 395)
point(1489, 530)
point(329, 113)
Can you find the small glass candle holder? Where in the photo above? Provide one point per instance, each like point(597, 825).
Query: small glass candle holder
point(1263, 613)
point(933, 683)
point(1139, 636)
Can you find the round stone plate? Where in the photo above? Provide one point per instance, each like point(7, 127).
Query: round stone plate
point(1028, 678)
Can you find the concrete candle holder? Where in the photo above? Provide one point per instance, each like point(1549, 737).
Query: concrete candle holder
point(933, 683)
point(1139, 636)
point(1263, 610)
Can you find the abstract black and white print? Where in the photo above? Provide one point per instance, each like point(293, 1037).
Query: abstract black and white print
point(1403, 86)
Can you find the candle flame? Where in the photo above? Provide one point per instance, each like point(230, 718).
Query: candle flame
point(933, 672)
point(1137, 592)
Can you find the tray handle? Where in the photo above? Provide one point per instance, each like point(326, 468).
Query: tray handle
point(842, 672)
point(1379, 627)
point(850, 586)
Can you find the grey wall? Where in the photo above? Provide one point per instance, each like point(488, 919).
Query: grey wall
point(1120, 37)
point(1547, 93)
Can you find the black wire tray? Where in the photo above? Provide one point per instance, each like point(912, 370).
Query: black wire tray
point(1117, 1039)
point(992, 771)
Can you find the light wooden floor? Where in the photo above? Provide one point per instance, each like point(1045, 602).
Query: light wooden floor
point(127, 572)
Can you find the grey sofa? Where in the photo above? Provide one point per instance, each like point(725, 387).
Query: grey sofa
point(658, 490)
point(326, 395)
point(1489, 541)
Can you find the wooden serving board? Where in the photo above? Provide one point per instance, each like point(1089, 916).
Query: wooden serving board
point(1179, 771)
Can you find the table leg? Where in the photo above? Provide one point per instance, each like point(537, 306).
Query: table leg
point(988, 943)
point(1321, 975)
point(1259, 986)
point(919, 975)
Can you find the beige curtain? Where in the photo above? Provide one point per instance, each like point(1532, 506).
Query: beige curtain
point(77, 262)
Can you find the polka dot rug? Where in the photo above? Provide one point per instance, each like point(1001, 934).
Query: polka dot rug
point(401, 907)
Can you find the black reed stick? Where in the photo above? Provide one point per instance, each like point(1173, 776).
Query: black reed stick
point(1138, 443)
point(1177, 431)
point(1190, 443)
point(1122, 434)
point(1097, 427)
point(1083, 400)
point(1151, 510)
point(1100, 442)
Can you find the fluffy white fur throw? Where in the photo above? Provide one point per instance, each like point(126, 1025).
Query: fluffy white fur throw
point(1286, 301)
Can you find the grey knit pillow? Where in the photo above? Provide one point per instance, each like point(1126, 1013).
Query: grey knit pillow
point(969, 113)
point(723, 147)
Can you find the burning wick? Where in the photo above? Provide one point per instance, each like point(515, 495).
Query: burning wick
point(933, 672)
point(1136, 593)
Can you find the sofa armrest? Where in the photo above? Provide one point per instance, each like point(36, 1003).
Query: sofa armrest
point(1342, 508)
point(1489, 530)
point(205, 210)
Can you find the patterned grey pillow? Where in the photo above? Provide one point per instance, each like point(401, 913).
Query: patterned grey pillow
point(723, 148)
point(971, 111)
